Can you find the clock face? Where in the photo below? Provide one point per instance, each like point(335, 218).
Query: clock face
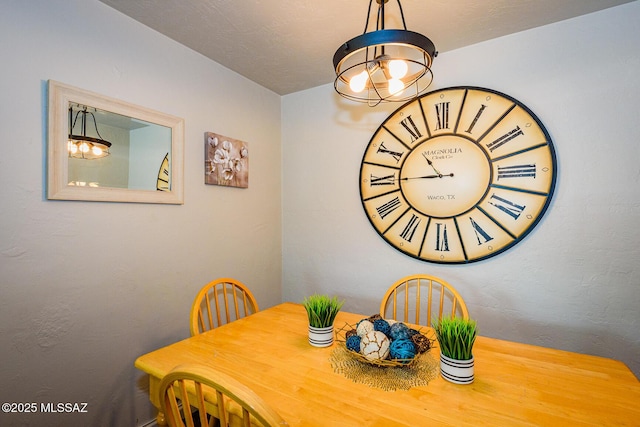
point(458, 175)
point(164, 175)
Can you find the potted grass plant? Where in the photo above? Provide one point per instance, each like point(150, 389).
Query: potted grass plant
point(456, 337)
point(321, 312)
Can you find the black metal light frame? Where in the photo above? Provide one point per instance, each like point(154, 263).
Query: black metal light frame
point(91, 141)
point(369, 50)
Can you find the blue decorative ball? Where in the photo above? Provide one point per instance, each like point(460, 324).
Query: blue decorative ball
point(353, 343)
point(402, 349)
point(382, 326)
point(399, 331)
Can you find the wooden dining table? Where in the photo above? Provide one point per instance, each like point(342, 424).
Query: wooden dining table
point(515, 384)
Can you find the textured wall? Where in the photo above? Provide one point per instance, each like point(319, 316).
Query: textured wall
point(574, 282)
point(85, 288)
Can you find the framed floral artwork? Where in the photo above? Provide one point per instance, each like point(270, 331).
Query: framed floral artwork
point(226, 161)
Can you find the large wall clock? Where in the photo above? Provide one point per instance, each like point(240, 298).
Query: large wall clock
point(458, 175)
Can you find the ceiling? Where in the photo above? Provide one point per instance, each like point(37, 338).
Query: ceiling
point(288, 46)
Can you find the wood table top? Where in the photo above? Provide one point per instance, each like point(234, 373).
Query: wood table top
point(515, 384)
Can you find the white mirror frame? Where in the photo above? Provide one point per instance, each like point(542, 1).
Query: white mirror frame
point(60, 95)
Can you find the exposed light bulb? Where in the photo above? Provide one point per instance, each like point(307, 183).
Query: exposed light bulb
point(73, 148)
point(398, 68)
point(359, 81)
point(97, 151)
point(84, 147)
point(396, 86)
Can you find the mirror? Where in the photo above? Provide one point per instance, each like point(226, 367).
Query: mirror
point(104, 149)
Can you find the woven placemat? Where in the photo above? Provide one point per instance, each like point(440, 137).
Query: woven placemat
point(388, 378)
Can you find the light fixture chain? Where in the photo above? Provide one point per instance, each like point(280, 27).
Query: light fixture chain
point(404, 24)
point(75, 120)
point(95, 124)
point(366, 23)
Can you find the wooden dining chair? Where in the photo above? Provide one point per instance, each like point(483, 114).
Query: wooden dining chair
point(420, 299)
point(201, 388)
point(219, 302)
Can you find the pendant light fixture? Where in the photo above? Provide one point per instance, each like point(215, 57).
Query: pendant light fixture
point(385, 65)
point(83, 146)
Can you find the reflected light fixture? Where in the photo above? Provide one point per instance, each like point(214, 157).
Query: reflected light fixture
point(385, 65)
point(83, 146)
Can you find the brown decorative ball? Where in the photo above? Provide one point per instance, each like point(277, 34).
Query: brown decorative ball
point(374, 317)
point(349, 333)
point(421, 342)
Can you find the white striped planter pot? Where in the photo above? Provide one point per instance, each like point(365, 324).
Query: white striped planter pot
point(321, 337)
point(456, 371)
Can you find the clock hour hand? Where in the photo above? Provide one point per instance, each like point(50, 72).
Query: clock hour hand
point(430, 163)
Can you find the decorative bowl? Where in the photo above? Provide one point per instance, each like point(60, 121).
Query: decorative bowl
point(347, 330)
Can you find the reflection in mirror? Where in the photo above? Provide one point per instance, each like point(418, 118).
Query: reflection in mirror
point(81, 145)
point(135, 152)
point(104, 149)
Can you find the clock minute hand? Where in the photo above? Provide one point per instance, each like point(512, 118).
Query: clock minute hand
point(425, 177)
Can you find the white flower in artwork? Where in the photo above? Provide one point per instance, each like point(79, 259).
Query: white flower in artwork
point(221, 157)
point(233, 166)
point(228, 160)
point(227, 174)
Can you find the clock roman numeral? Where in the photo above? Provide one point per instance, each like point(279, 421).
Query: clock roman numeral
point(505, 138)
point(387, 208)
point(476, 118)
point(442, 113)
point(442, 240)
point(512, 209)
point(481, 235)
point(382, 180)
point(396, 155)
point(411, 127)
point(517, 171)
point(410, 229)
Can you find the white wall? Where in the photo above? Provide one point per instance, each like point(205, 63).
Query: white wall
point(85, 288)
point(574, 282)
point(70, 331)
